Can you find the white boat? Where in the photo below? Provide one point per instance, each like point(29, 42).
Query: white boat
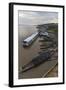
point(43, 33)
point(30, 39)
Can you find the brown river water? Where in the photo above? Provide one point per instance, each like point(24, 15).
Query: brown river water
point(26, 54)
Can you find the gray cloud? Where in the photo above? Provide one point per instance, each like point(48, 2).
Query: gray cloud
point(37, 17)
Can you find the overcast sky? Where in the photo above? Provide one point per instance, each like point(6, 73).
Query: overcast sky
point(37, 17)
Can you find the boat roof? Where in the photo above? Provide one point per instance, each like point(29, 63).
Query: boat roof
point(30, 37)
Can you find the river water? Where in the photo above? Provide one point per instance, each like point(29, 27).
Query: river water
point(26, 54)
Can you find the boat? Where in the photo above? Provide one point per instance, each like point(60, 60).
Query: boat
point(28, 41)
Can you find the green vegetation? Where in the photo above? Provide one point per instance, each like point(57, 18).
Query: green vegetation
point(50, 27)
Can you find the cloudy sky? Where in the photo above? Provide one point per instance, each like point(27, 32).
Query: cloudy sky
point(37, 17)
